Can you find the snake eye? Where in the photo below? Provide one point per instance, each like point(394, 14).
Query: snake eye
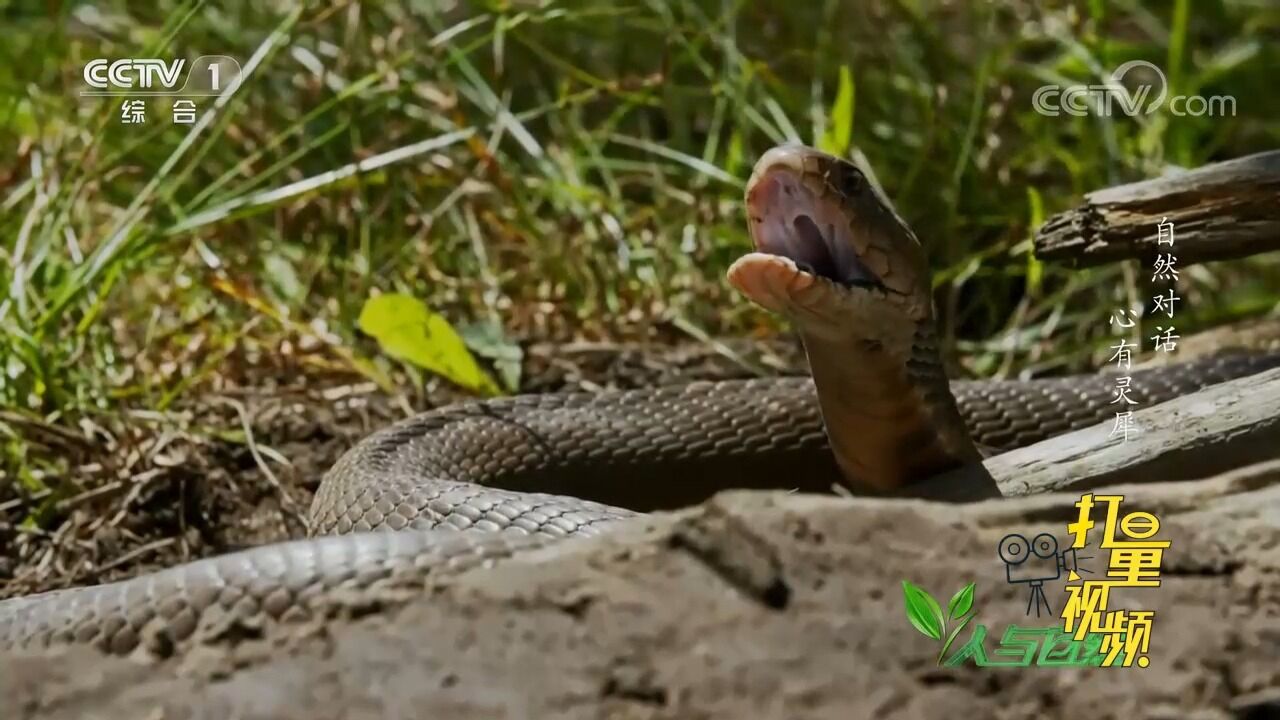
point(851, 181)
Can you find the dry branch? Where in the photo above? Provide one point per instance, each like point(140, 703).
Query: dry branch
point(1220, 211)
point(1198, 435)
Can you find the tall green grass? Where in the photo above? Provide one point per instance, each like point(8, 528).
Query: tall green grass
point(553, 169)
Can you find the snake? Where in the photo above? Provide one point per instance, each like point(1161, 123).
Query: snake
point(470, 484)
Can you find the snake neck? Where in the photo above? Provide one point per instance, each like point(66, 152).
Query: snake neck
point(889, 412)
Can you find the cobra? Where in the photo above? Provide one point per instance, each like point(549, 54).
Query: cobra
point(472, 483)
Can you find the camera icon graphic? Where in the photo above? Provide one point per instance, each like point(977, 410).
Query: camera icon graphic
point(1035, 562)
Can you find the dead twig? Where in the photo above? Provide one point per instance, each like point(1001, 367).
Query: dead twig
point(288, 508)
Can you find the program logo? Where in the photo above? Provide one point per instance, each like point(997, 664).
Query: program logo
point(207, 75)
point(138, 79)
point(1091, 632)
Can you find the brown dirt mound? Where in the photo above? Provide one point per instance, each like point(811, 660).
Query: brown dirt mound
point(757, 605)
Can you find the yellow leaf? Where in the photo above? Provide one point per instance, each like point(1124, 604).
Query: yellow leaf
point(406, 329)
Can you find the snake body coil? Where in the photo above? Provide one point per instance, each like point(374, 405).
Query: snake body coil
point(473, 467)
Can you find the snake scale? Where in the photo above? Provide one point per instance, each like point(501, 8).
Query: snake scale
point(880, 413)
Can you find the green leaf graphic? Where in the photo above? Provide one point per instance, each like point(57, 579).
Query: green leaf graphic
point(960, 602)
point(951, 637)
point(408, 330)
point(922, 610)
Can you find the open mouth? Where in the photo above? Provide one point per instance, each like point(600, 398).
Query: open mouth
point(789, 220)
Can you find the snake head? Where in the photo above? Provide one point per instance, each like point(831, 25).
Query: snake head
point(832, 254)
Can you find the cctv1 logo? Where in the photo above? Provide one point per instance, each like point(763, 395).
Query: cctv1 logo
point(206, 75)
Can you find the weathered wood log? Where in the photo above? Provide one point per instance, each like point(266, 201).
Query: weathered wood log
point(1212, 431)
point(1255, 484)
point(1225, 210)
